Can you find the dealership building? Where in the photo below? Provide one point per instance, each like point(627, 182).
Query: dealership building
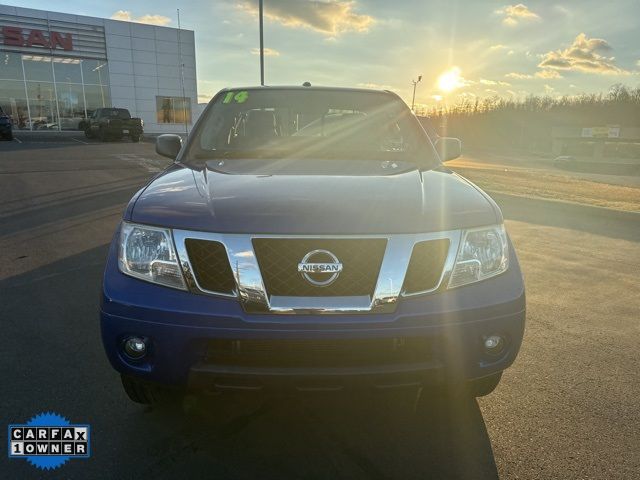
point(56, 69)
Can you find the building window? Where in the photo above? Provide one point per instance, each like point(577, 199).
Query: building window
point(51, 92)
point(173, 109)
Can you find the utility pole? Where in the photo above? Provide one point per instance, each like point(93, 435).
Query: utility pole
point(261, 43)
point(413, 100)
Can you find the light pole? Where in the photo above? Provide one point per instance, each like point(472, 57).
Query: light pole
point(413, 100)
point(184, 97)
point(261, 43)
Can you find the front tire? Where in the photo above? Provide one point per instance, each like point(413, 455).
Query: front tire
point(147, 393)
point(135, 138)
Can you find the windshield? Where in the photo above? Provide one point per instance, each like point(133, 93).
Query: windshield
point(120, 113)
point(319, 124)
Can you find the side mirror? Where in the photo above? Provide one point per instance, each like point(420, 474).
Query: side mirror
point(448, 148)
point(168, 145)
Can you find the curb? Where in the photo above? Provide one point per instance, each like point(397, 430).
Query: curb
point(505, 200)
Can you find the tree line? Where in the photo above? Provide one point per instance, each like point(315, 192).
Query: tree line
point(527, 123)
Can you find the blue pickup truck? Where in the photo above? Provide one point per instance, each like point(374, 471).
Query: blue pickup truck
point(310, 239)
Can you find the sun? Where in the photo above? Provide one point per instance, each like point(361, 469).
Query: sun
point(450, 80)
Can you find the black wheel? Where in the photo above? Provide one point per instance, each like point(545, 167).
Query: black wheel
point(87, 133)
point(485, 385)
point(135, 138)
point(102, 135)
point(10, 136)
point(147, 393)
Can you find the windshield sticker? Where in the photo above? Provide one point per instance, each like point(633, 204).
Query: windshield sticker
point(239, 97)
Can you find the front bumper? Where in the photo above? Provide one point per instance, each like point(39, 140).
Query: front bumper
point(180, 327)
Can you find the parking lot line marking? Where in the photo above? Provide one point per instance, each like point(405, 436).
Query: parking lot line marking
point(17, 139)
point(79, 141)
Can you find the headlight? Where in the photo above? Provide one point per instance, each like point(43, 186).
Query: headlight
point(483, 253)
point(147, 253)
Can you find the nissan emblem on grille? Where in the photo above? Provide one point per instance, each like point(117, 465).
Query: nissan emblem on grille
point(324, 271)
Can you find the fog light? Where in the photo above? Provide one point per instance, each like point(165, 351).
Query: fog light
point(135, 347)
point(494, 344)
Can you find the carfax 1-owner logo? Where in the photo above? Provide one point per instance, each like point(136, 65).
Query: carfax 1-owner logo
point(48, 441)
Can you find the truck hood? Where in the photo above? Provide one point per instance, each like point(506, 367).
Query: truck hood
point(410, 202)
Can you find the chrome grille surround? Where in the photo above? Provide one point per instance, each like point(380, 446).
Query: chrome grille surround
point(253, 296)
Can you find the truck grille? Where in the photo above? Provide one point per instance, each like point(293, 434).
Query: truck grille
point(319, 353)
point(211, 265)
point(278, 260)
point(426, 265)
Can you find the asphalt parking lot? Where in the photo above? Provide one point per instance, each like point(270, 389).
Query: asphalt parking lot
point(567, 409)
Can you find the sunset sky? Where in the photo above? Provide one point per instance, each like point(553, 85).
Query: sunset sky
point(462, 49)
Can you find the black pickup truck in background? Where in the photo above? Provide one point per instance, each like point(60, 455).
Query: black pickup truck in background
point(6, 130)
point(112, 123)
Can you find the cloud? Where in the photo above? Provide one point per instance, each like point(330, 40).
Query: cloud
point(329, 17)
point(123, 15)
point(518, 76)
point(548, 74)
point(484, 81)
point(563, 10)
point(499, 47)
point(515, 14)
point(548, 89)
point(153, 19)
point(268, 52)
point(150, 19)
point(375, 86)
point(585, 55)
